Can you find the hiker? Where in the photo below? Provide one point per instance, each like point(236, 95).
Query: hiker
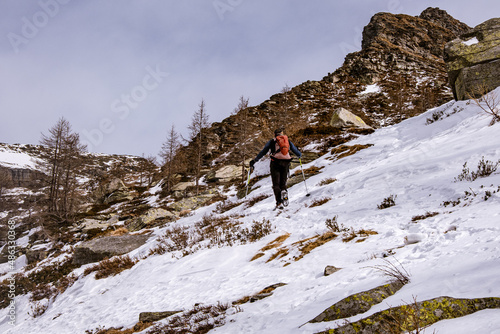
point(280, 164)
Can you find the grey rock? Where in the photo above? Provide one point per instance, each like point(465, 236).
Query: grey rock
point(330, 270)
point(147, 219)
point(192, 203)
point(98, 249)
point(228, 173)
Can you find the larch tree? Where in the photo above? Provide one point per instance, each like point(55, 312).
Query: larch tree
point(199, 122)
point(169, 150)
point(241, 112)
point(62, 162)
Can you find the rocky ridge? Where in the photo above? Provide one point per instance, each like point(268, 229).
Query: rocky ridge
point(401, 57)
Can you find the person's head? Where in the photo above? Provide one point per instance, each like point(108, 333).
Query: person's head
point(278, 132)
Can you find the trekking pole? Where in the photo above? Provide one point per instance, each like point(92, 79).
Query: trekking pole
point(248, 181)
point(307, 191)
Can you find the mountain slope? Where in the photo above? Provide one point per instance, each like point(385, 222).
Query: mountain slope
point(452, 253)
point(399, 73)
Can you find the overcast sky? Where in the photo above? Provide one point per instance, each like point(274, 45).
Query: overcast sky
point(122, 72)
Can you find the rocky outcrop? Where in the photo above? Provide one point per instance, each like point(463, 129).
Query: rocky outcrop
point(22, 177)
point(473, 60)
point(98, 249)
point(114, 192)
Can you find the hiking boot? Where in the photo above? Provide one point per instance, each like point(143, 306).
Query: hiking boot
point(284, 197)
point(279, 206)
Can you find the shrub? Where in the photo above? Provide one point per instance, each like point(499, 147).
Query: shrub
point(257, 231)
point(488, 101)
point(425, 216)
point(484, 168)
point(210, 231)
point(226, 206)
point(251, 202)
point(333, 225)
point(440, 114)
point(111, 267)
point(395, 273)
point(387, 202)
point(201, 319)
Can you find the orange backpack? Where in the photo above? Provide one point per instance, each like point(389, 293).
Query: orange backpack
point(283, 144)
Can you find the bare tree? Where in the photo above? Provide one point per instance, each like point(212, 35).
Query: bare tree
point(241, 111)
point(147, 169)
point(487, 100)
point(62, 161)
point(199, 123)
point(169, 150)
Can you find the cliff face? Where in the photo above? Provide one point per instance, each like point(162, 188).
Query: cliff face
point(399, 73)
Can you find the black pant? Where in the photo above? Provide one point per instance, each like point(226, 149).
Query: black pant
point(279, 175)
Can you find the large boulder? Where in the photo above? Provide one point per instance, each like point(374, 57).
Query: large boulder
point(193, 202)
point(473, 60)
point(343, 118)
point(228, 173)
point(115, 191)
point(98, 249)
point(358, 303)
point(149, 219)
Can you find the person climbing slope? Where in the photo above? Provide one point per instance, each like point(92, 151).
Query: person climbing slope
point(280, 147)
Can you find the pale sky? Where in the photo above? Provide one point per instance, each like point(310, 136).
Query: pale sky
point(123, 71)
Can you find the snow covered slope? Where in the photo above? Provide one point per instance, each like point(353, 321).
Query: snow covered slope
point(16, 156)
point(455, 252)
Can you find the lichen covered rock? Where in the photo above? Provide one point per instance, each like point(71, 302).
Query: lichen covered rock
point(473, 60)
point(407, 318)
point(358, 303)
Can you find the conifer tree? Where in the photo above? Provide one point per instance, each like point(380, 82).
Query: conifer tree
point(199, 123)
point(241, 112)
point(62, 162)
point(168, 153)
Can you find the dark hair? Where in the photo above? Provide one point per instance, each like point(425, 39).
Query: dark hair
point(278, 131)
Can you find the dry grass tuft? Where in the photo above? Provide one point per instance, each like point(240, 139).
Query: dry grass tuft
point(343, 151)
point(111, 267)
point(319, 202)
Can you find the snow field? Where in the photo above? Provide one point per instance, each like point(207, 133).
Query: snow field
point(456, 252)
